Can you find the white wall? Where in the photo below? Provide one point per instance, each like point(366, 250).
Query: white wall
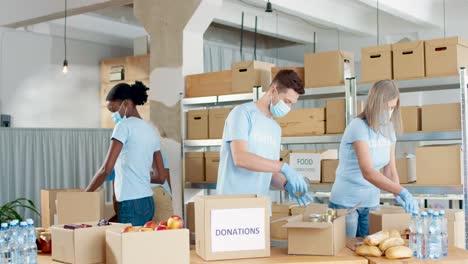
point(35, 92)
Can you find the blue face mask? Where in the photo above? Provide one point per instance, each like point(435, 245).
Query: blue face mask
point(116, 117)
point(280, 109)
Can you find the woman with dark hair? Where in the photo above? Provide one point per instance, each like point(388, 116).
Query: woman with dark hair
point(133, 153)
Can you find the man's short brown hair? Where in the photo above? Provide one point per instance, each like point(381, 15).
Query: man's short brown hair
point(288, 79)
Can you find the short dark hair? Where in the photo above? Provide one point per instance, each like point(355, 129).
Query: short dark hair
point(136, 92)
point(288, 79)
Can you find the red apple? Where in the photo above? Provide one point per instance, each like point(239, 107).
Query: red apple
point(129, 229)
point(151, 224)
point(175, 222)
point(163, 223)
point(161, 227)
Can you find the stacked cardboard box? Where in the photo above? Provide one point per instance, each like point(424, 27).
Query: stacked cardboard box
point(441, 117)
point(308, 162)
point(249, 74)
point(328, 68)
point(411, 118)
point(328, 170)
point(201, 166)
point(303, 122)
point(205, 124)
point(408, 60)
point(208, 84)
point(376, 63)
point(298, 70)
point(336, 115)
point(439, 165)
point(444, 57)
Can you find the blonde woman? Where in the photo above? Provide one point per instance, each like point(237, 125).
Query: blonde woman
point(367, 146)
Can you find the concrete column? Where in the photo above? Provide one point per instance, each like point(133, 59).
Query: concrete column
point(176, 29)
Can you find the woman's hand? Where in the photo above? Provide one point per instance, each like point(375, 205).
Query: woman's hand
point(107, 167)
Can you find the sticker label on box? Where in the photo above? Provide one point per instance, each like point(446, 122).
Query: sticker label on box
point(237, 229)
point(306, 164)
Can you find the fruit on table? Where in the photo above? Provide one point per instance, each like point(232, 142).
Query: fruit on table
point(175, 222)
point(391, 242)
point(129, 229)
point(161, 227)
point(368, 251)
point(375, 239)
point(151, 225)
point(146, 229)
point(398, 252)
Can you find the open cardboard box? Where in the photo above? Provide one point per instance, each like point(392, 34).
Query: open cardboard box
point(83, 245)
point(310, 238)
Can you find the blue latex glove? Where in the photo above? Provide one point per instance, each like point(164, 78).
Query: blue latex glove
point(409, 203)
point(301, 200)
point(296, 180)
point(111, 176)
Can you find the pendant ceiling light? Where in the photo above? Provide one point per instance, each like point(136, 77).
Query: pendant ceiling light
point(268, 8)
point(65, 61)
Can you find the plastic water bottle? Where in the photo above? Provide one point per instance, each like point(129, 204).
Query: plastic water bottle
point(444, 233)
point(13, 242)
point(435, 241)
point(430, 213)
point(5, 257)
point(22, 245)
point(421, 248)
point(413, 236)
point(31, 255)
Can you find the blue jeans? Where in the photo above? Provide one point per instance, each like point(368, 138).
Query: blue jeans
point(357, 223)
point(136, 212)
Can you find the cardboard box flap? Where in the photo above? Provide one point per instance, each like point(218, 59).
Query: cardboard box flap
point(441, 146)
point(194, 154)
point(281, 208)
point(444, 42)
point(376, 50)
point(407, 47)
point(302, 224)
point(212, 154)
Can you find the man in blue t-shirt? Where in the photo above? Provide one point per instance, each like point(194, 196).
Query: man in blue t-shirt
point(251, 143)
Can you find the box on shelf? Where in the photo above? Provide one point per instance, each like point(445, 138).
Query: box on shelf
point(411, 118)
point(208, 84)
point(277, 231)
point(194, 166)
point(408, 60)
point(211, 166)
point(217, 117)
point(303, 122)
point(328, 68)
point(64, 206)
point(308, 162)
point(329, 167)
point(190, 217)
point(328, 239)
point(441, 117)
point(376, 63)
point(439, 165)
point(249, 74)
point(113, 70)
point(298, 70)
point(390, 219)
point(137, 68)
point(444, 57)
point(406, 168)
point(232, 226)
point(197, 124)
point(336, 115)
point(169, 246)
point(83, 245)
point(284, 156)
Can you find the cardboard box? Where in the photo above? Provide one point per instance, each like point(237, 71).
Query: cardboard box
point(328, 68)
point(65, 206)
point(298, 70)
point(208, 84)
point(249, 74)
point(395, 219)
point(329, 167)
point(277, 231)
point(309, 238)
point(336, 115)
point(376, 63)
point(303, 122)
point(190, 217)
point(408, 60)
point(411, 118)
point(439, 165)
point(85, 245)
point(444, 57)
point(211, 166)
point(194, 167)
point(308, 162)
point(197, 124)
point(217, 117)
point(232, 226)
point(456, 227)
point(48, 206)
point(284, 156)
point(441, 117)
point(406, 168)
point(171, 246)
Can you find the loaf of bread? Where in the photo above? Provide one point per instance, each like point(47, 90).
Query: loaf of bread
point(368, 251)
point(398, 252)
point(391, 242)
point(375, 239)
point(395, 233)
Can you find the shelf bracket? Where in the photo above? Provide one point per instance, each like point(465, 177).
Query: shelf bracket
point(351, 99)
point(464, 122)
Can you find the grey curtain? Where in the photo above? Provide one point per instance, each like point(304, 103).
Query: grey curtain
point(35, 159)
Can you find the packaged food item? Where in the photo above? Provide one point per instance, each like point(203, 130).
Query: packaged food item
point(103, 222)
point(46, 242)
point(375, 239)
point(76, 226)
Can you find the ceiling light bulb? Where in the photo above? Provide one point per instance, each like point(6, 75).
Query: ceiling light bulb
point(269, 8)
point(65, 66)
